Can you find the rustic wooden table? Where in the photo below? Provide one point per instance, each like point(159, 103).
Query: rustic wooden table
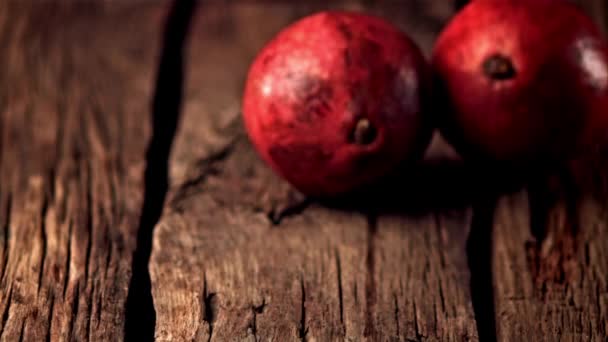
point(133, 207)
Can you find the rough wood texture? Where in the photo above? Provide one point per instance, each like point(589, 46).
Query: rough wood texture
point(74, 125)
point(221, 270)
point(551, 267)
point(220, 267)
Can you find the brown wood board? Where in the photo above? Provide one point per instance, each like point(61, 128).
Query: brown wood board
point(74, 125)
point(441, 252)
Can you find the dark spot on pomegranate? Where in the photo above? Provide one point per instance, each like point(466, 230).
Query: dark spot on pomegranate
point(498, 67)
point(348, 59)
point(316, 97)
point(373, 30)
point(267, 60)
point(344, 30)
point(369, 50)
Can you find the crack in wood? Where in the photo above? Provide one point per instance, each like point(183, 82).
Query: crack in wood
point(140, 317)
point(99, 308)
point(479, 257)
point(6, 311)
point(90, 311)
point(598, 303)
point(441, 296)
point(256, 310)
point(22, 331)
point(416, 326)
point(396, 303)
point(74, 311)
point(302, 329)
point(587, 256)
point(116, 209)
point(68, 259)
point(210, 307)
point(88, 213)
point(50, 322)
point(43, 211)
point(6, 230)
point(294, 205)
point(340, 293)
point(206, 166)
point(370, 284)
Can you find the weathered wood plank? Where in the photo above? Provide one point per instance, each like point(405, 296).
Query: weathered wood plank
point(221, 270)
point(75, 92)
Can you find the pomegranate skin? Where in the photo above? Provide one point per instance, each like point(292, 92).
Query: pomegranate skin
point(336, 100)
point(521, 82)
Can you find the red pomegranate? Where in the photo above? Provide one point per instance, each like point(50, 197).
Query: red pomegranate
point(521, 82)
point(336, 100)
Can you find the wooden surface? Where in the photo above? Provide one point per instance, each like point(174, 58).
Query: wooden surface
point(437, 263)
point(74, 117)
point(221, 270)
point(550, 281)
point(93, 247)
point(393, 268)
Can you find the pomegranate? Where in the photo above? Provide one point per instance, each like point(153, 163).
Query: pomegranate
point(336, 100)
point(521, 82)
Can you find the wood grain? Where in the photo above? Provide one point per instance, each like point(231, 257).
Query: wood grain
point(74, 125)
point(222, 270)
point(551, 266)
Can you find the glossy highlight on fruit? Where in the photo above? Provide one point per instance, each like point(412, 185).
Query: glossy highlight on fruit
point(521, 82)
point(337, 100)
